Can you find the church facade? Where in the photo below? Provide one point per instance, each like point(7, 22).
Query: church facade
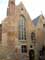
point(21, 35)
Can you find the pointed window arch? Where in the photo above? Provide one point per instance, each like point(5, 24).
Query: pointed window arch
point(22, 28)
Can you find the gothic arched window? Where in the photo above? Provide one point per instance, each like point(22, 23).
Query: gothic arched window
point(22, 28)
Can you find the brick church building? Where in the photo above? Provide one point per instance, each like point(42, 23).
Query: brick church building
point(22, 35)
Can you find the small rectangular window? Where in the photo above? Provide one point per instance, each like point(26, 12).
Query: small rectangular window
point(24, 48)
point(43, 25)
point(32, 36)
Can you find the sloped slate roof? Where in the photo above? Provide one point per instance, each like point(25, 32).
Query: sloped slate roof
point(36, 20)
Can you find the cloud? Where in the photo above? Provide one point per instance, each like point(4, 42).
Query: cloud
point(3, 8)
point(34, 7)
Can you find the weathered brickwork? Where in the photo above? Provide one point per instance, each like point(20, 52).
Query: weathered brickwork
point(10, 33)
point(0, 32)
